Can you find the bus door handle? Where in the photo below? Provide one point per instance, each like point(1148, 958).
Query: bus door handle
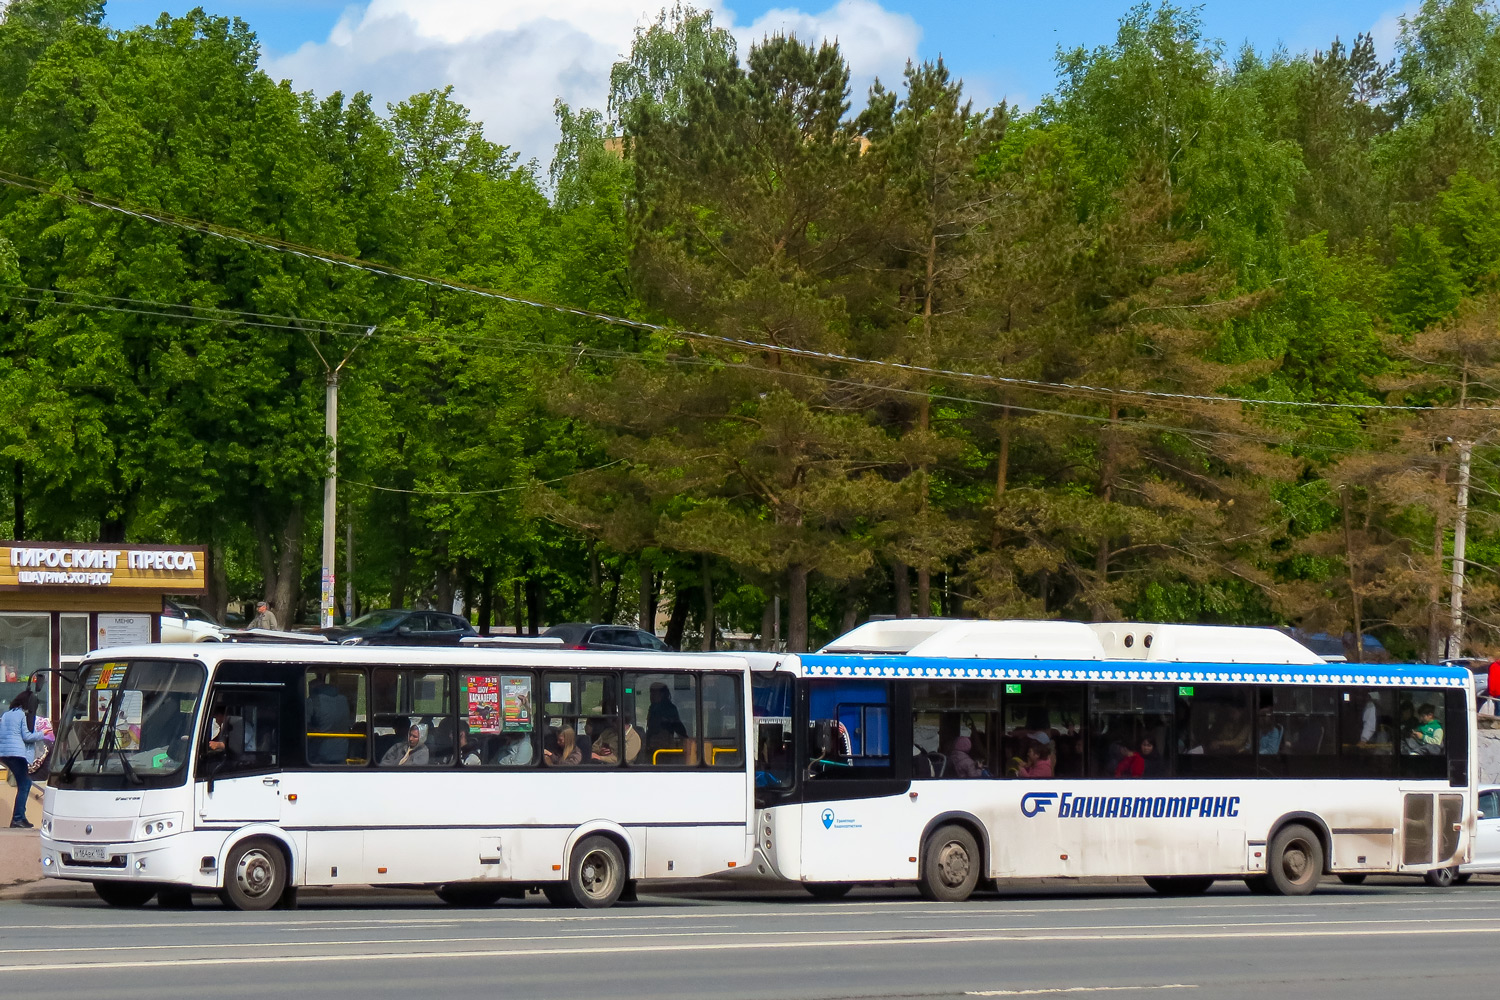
point(270, 781)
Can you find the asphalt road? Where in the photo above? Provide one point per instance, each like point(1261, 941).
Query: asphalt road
point(1394, 939)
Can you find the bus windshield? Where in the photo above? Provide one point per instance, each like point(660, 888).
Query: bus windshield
point(129, 722)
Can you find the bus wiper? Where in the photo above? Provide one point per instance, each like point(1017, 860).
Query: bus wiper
point(67, 770)
point(127, 767)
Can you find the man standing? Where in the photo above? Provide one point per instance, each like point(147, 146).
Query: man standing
point(264, 618)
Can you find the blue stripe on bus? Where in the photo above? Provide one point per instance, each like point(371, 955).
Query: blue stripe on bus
point(1408, 674)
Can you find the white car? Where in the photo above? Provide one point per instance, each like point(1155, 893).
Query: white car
point(188, 623)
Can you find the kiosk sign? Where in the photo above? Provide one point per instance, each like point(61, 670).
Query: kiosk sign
point(53, 565)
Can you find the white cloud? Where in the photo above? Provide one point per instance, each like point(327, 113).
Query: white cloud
point(508, 60)
point(1387, 31)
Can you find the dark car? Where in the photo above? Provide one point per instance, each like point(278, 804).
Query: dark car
point(400, 627)
point(576, 635)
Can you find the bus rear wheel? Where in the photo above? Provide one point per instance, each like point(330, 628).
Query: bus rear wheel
point(254, 876)
point(129, 894)
point(596, 876)
point(1294, 861)
point(828, 890)
point(950, 865)
point(1179, 885)
point(1441, 878)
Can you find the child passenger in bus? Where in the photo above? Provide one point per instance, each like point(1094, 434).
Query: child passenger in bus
point(1038, 759)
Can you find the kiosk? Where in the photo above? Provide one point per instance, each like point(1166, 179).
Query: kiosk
point(61, 600)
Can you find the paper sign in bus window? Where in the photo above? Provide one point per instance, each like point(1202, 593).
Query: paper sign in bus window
point(484, 703)
point(515, 703)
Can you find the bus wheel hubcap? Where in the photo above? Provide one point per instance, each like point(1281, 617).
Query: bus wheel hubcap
point(255, 874)
point(1294, 861)
point(596, 874)
point(953, 864)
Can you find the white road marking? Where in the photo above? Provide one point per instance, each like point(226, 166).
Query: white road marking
point(713, 931)
point(1076, 989)
point(740, 946)
point(340, 919)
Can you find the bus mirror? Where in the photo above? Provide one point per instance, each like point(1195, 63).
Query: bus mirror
point(1495, 679)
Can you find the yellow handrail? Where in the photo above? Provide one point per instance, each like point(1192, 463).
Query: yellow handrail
point(658, 753)
point(353, 736)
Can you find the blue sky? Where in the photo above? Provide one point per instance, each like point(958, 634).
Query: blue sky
point(508, 59)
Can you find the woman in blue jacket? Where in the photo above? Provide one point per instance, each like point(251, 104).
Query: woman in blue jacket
point(16, 752)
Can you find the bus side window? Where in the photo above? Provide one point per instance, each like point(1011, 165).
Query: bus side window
point(338, 721)
point(663, 710)
point(955, 729)
point(1128, 726)
point(1367, 727)
point(1049, 716)
point(1296, 732)
point(1215, 731)
point(1422, 734)
point(858, 714)
point(723, 735)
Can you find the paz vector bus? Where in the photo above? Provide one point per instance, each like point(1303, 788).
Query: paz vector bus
point(945, 754)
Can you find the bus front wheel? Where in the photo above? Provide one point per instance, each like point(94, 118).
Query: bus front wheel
point(1179, 885)
point(1352, 878)
point(254, 876)
point(596, 876)
point(950, 865)
point(125, 893)
point(1294, 861)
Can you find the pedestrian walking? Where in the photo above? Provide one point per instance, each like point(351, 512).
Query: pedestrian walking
point(264, 617)
point(17, 750)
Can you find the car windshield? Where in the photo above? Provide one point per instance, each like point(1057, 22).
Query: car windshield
point(197, 614)
point(129, 719)
point(377, 619)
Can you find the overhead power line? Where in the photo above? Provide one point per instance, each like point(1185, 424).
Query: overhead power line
point(303, 325)
point(80, 196)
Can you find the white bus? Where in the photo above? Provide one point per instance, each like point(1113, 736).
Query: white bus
point(950, 754)
point(252, 770)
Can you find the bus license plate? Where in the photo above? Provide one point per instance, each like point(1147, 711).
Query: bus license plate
point(84, 853)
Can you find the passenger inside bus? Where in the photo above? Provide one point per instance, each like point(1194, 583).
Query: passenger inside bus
point(560, 748)
point(961, 762)
point(468, 753)
point(412, 753)
point(1143, 762)
point(1426, 736)
point(1038, 762)
point(225, 735)
point(515, 750)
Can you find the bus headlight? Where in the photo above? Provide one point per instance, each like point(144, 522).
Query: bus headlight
point(160, 826)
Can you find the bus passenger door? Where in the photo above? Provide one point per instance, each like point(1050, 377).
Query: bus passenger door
point(240, 755)
point(857, 817)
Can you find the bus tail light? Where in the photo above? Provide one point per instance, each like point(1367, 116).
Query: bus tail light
point(1495, 679)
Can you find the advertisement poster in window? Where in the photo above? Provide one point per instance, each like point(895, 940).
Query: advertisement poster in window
point(484, 704)
point(515, 700)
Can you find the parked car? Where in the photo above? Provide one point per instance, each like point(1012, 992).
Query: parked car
point(400, 627)
point(188, 623)
point(576, 635)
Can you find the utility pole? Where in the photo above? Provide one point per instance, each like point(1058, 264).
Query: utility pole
point(1460, 533)
point(331, 480)
point(349, 610)
point(330, 494)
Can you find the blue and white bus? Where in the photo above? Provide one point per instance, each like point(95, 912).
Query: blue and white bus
point(950, 754)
